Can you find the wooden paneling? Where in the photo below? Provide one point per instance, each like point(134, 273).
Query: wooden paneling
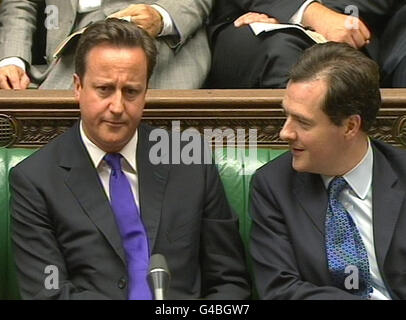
point(34, 117)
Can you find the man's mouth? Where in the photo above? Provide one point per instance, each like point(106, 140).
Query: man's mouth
point(296, 151)
point(114, 123)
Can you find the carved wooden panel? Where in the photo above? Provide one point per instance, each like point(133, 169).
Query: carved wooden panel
point(32, 118)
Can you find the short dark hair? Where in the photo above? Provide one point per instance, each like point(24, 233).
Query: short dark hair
point(352, 81)
point(118, 33)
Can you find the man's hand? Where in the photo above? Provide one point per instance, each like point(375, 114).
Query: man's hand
point(13, 77)
point(252, 17)
point(335, 26)
point(144, 16)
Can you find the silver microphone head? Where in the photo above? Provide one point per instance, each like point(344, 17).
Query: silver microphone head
point(158, 275)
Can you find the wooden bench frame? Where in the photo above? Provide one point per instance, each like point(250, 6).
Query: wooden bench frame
point(31, 118)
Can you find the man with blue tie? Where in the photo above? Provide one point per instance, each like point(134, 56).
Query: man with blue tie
point(93, 207)
point(329, 217)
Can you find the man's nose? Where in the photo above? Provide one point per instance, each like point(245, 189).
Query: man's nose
point(117, 103)
point(287, 132)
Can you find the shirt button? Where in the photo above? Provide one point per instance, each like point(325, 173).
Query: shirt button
point(122, 283)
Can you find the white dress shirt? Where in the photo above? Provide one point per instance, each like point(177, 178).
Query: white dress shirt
point(88, 5)
point(358, 203)
point(12, 61)
point(298, 16)
point(168, 25)
point(128, 163)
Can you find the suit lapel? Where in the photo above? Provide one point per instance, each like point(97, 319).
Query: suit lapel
point(83, 181)
point(152, 183)
point(312, 196)
point(387, 194)
point(387, 197)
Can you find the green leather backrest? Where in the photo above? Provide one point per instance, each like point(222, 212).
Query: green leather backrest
point(236, 167)
point(8, 159)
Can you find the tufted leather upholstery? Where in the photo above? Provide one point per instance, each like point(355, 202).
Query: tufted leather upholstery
point(236, 169)
point(8, 285)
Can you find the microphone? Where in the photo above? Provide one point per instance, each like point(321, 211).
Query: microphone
point(158, 276)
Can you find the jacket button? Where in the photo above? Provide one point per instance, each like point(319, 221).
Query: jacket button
point(122, 283)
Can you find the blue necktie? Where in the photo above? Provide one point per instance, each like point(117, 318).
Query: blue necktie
point(132, 230)
point(344, 244)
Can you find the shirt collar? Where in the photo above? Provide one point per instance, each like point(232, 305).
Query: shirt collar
point(358, 178)
point(96, 154)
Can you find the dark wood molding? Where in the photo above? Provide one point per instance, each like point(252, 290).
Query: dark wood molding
point(32, 118)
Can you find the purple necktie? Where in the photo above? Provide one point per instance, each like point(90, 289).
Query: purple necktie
point(132, 230)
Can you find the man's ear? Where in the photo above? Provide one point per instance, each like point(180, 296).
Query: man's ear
point(352, 125)
point(77, 84)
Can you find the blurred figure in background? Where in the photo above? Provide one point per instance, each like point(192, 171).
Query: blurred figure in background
point(177, 25)
point(243, 60)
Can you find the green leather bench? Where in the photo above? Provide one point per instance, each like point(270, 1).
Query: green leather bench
point(235, 169)
point(8, 284)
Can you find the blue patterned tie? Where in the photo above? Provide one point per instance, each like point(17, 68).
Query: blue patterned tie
point(344, 244)
point(132, 230)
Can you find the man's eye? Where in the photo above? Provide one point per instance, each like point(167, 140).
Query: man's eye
point(304, 124)
point(103, 89)
point(132, 91)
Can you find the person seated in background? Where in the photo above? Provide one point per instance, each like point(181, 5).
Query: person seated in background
point(240, 59)
point(386, 20)
point(329, 219)
point(177, 25)
point(93, 206)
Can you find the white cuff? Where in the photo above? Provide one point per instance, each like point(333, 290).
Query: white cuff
point(12, 61)
point(88, 5)
point(298, 16)
point(168, 28)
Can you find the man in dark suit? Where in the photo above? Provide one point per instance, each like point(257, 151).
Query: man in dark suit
point(328, 217)
point(386, 20)
point(243, 60)
point(69, 235)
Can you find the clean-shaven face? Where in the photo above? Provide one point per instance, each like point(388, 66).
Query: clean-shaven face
point(111, 95)
point(316, 143)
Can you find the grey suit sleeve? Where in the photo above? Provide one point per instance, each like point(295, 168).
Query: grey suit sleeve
point(17, 26)
point(224, 272)
point(36, 247)
point(276, 270)
point(187, 15)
